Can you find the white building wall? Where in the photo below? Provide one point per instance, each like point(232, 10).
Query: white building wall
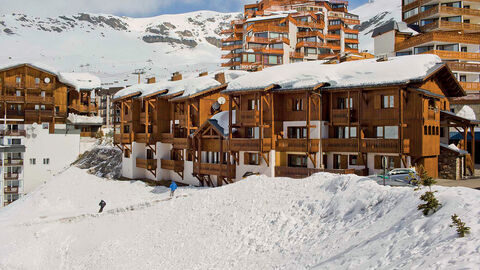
point(263, 168)
point(129, 165)
point(385, 44)
point(60, 149)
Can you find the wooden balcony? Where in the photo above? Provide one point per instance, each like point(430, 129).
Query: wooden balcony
point(38, 99)
point(298, 172)
point(231, 55)
point(11, 176)
point(385, 146)
point(451, 26)
point(182, 143)
point(270, 51)
point(88, 134)
point(332, 36)
point(268, 28)
point(13, 162)
point(249, 118)
point(340, 145)
point(143, 117)
point(244, 144)
point(214, 169)
point(231, 39)
point(453, 55)
point(226, 31)
point(38, 115)
point(82, 108)
point(310, 34)
point(13, 99)
point(166, 137)
point(298, 145)
point(231, 64)
point(123, 138)
point(232, 47)
point(443, 11)
point(437, 36)
point(312, 44)
point(145, 138)
point(149, 164)
point(264, 40)
point(10, 189)
point(470, 86)
point(297, 55)
point(21, 133)
point(315, 25)
point(182, 119)
point(340, 116)
point(172, 165)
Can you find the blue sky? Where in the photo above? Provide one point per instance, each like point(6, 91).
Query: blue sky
point(133, 8)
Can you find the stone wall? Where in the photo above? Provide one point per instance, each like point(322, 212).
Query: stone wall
point(450, 165)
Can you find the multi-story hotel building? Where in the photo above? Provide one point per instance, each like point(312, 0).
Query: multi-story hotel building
point(36, 135)
point(275, 32)
point(292, 120)
point(449, 29)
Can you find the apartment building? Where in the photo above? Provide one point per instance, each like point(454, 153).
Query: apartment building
point(37, 137)
point(292, 120)
point(275, 32)
point(449, 29)
point(106, 110)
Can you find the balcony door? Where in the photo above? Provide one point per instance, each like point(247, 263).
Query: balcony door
point(298, 161)
point(340, 162)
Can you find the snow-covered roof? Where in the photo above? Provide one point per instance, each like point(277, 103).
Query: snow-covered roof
point(467, 113)
point(221, 120)
point(84, 120)
point(80, 81)
point(40, 66)
point(366, 72)
point(264, 18)
point(454, 148)
point(393, 25)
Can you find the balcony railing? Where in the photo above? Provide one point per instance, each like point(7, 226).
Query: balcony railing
point(39, 99)
point(231, 64)
point(453, 55)
point(13, 162)
point(265, 40)
point(315, 25)
point(462, 66)
point(311, 44)
point(126, 138)
point(231, 47)
point(297, 55)
point(149, 164)
point(298, 145)
point(385, 146)
point(340, 145)
point(38, 115)
point(166, 137)
point(470, 86)
point(10, 189)
point(11, 176)
point(145, 138)
point(143, 117)
point(446, 25)
point(310, 34)
point(437, 36)
point(214, 169)
point(172, 165)
point(182, 143)
point(13, 99)
point(269, 28)
point(244, 144)
point(299, 172)
point(21, 133)
point(249, 117)
point(341, 116)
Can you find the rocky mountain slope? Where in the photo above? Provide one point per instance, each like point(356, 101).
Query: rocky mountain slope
point(112, 46)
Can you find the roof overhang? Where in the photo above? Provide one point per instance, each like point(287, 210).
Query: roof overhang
point(127, 96)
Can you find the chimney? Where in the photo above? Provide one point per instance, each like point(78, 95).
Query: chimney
point(151, 80)
point(203, 74)
point(177, 76)
point(220, 77)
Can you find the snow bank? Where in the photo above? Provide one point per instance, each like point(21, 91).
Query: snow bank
point(81, 81)
point(346, 74)
point(322, 222)
point(82, 119)
point(467, 113)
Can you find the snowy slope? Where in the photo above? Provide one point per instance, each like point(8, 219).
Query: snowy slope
point(323, 222)
point(113, 47)
point(373, 14)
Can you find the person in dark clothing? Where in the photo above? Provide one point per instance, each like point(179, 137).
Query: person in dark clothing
point(173, 187)
point(102, 205)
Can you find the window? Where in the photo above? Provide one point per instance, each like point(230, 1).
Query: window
point(463, 78)
point(46, 161)
point(14, 141)
point(37, 82)
point(252, 104)
point(344, 103)
point(410, 13)
point(379, 132)
point(251, 159)
point(419, 50)
point(388, 102)
point(297, 132)
point(32, 161)
point(353, 160)
point(448, 47)
point(18, 93)
point(37, 107)
point(250, 132)
point(126, 129)
point(18, 80)
point(45, 125)
point(42, 94)
point(353, 132)
point(297, 104)
point(391, 132)
point(425, 130)
point(297, 161)
point(126, 154)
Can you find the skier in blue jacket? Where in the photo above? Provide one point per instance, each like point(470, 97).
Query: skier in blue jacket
point(173, 187)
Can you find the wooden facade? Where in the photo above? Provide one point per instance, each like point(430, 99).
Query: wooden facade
point(290, 132)
point(317, 30)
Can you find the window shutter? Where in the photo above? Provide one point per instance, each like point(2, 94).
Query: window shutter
point(360, 160)
point(377, 103)
point(246, 158)
point(397, 162)
point(343, 162)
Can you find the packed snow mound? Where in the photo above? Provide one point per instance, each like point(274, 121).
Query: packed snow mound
point(102, 161)
point(83, 119)
point(347, 74)
point(323, 222)
point(467, 112)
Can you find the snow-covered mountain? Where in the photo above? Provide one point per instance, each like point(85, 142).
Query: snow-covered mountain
point(113, 47)
point(373, 14)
